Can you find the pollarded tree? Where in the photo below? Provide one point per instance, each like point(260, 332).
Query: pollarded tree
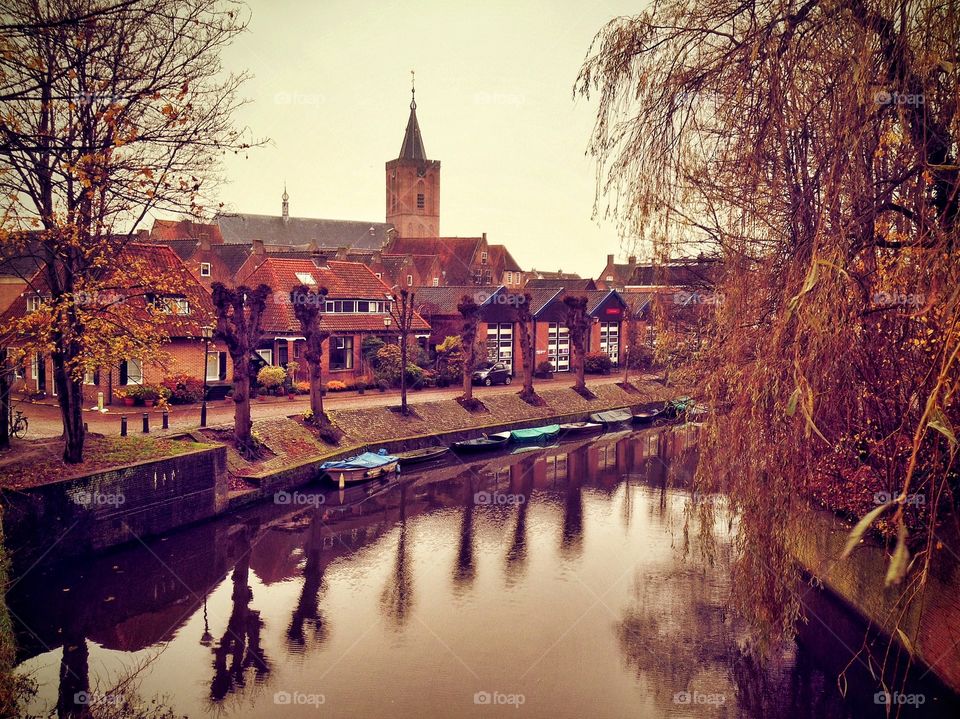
point(578, 323)
point(307, 306)
point(470, 311)
point(403, 315)
point(111, 111)
point(239, 327)
point(524, 319)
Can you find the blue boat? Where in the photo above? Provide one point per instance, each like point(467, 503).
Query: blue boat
point(535, 434)
point(360, 468)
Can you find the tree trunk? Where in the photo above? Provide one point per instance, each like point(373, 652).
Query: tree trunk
point(4, 401)
point(403, 373)
point(529, 352)
point(468, 363)
point(581, 384)
point(70, 399)
point(243, 426)
point(316, 391)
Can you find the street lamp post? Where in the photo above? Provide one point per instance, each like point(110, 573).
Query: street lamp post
point(207, 331)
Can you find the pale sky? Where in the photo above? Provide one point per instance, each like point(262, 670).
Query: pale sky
point(331, 89)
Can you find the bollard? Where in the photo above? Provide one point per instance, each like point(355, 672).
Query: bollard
point(123, 425)
point(166, 419)
point(146, 423)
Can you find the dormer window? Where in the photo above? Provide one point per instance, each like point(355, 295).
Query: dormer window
point(33, 303)
point(305, 278)
point(409, 280)
point(174, 305)
point(204, 269)
point(483, 258)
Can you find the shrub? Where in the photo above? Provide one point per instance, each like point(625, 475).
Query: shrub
point(271, 377)
point(414, 374)
point(336, 385)
point(369, 347)
point(597, 363)
point(388, 365)
point(183, 389)
point(544, 367)
point(450, 361)
point(291, 378)
point(302, 387)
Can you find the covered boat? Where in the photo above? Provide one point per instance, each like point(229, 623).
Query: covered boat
point(368, 465)
point(535, 434)
point(613, 416)
point(646, 416)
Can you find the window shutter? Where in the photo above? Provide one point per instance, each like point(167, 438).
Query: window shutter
point(223, 365)
point(96, 376)
point(123, 372)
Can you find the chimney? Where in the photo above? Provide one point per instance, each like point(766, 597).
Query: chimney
point(376, 257)
point(143, 235)
point(484, 236)
point(609, 260)
point(257, 248)
point(205, 243)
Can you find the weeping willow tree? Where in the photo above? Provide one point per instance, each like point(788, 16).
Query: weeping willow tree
point(811, 147)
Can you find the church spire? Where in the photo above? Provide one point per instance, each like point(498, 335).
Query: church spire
point(412, 147)
point(285, 203)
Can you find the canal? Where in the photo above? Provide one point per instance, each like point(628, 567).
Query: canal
point(564, 581)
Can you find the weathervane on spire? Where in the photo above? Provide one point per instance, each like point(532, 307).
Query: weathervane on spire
point(413, 90)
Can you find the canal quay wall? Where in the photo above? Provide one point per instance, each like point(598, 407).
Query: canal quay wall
point(86, 514)
point(80, 515)
point(930, 622)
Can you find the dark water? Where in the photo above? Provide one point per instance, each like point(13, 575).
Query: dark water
point(561, 582)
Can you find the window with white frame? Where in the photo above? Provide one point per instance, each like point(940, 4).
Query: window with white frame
point(204, 269)
point(483, 258)
point(34, 367)
point(213, 366)
point(134, 371)
point(174, 305)
point(409, 280)
point(89, 376)
point(436, 281)
point(33, 303)
point(341, 353)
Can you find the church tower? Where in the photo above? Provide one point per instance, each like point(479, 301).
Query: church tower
point(413, 184)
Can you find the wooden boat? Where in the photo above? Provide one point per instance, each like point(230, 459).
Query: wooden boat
point(646, 416)
point(418, 456)
point(535, 434)
point(481, 444)
point(580, 427)
point(613, 416)
point(362, 467)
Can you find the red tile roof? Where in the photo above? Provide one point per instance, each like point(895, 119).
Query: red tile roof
point(343, 280)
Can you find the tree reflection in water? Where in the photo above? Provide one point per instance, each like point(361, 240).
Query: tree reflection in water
point(521, 486)
point(571, 542)
point(396, 599)
point(74, 674)
point(307, 612)
point(465, 571)
point(239, 648)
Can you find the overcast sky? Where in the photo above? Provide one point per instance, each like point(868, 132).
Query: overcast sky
point(331, 89)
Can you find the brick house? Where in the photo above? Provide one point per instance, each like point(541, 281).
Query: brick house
point(358, 305)
point(209, 262)
point(605, 307)
point(615, 275)
point(188, 310)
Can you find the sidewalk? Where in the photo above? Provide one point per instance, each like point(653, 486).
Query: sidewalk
point(44, 416)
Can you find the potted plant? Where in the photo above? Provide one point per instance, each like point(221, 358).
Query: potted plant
point(125, 396)
point(149, 394)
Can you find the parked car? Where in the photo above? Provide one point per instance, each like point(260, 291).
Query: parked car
point(492, 373)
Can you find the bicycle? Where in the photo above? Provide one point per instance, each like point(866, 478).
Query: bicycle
point(18, 425)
